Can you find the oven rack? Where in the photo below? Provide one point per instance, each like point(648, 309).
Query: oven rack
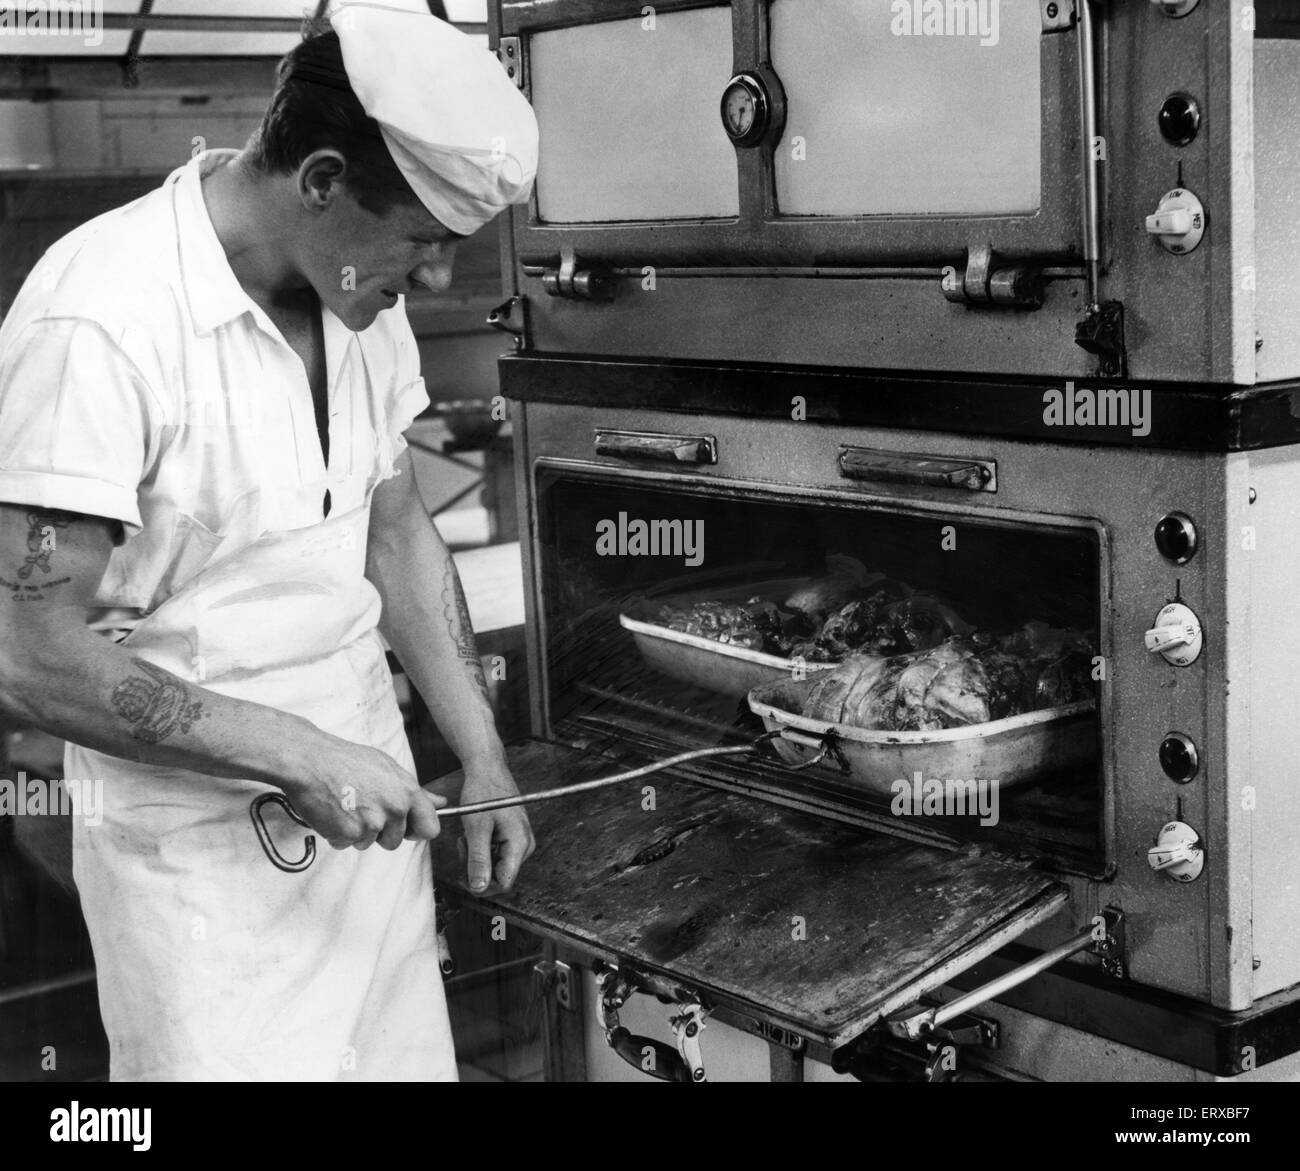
point(654, 715)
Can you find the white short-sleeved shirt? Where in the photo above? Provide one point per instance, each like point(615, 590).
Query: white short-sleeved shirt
point(139, 382)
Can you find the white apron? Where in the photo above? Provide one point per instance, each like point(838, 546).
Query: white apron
point(212, 963)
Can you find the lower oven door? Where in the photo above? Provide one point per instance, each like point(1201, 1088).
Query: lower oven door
point(797, 922)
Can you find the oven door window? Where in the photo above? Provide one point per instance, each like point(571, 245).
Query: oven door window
point(941, 120)
point(617, 143)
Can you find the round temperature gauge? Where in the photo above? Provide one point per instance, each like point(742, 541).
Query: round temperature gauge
point(746, 110)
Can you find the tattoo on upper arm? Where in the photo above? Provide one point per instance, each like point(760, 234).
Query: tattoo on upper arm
point(155, 703)
point(456, 611)
point(43, 527)
point(42, 540)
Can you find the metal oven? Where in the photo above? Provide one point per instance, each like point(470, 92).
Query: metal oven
point(1011, 186)
point(783, 450)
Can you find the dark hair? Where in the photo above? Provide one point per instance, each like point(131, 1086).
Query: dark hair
point(314, 108)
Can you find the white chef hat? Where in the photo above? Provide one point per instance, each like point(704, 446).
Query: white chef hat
point(458, 129)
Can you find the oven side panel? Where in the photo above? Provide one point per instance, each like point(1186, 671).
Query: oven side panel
point(1174, 930)
point(1264, 555)
point(1229, 657)
point(1277, 163)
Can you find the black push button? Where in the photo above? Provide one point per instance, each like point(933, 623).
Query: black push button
point(1178, 757)
point(1176, 537)
point(1179, 119)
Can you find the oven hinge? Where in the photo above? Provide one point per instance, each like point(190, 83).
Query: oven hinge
point(1058, 15)
point(1101, 332)
point(879, 1056)
point(1017, 286)
point(578, 284)
point(1108, 942)
point(555, 977)
point(1103, 936)
point(512, 317)
point(510, 52)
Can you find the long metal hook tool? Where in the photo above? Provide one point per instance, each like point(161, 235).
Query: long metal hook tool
point(309, 844)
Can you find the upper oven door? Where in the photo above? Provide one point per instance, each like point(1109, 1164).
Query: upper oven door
point(856, 134)
point(790, 920)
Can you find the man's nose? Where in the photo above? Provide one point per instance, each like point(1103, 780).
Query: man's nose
point(435, 274)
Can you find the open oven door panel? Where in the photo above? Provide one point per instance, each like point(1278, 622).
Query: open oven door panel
point(798, 921)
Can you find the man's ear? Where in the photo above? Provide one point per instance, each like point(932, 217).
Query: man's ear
point(320, 179)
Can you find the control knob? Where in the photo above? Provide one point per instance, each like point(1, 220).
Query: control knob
point(1178, 222)
point(1177, 852)
point(1176, 635)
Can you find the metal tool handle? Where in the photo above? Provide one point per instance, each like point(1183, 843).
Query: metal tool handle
point(824, 745)
point(309, 855)
point(599, 783)
point(264, 835)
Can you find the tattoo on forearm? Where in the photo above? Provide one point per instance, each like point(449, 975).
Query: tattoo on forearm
point(456, 612)
point(155, 703)
point(42, 540)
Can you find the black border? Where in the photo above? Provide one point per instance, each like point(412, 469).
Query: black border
point(1205, 417)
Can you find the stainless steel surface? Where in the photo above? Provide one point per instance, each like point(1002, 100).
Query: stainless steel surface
point(1001, 753)
point(704, 662)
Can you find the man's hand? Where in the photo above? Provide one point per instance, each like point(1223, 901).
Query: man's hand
point(501, 833)
point(357, 796)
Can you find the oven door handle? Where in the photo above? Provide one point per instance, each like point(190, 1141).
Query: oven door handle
point(929, 471)
point(651, 1057)
point(678, 449)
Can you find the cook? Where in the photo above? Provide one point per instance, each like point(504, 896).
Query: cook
point(208, 518)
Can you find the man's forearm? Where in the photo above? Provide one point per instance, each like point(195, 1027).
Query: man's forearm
point(73, 683)
point(426, 622)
